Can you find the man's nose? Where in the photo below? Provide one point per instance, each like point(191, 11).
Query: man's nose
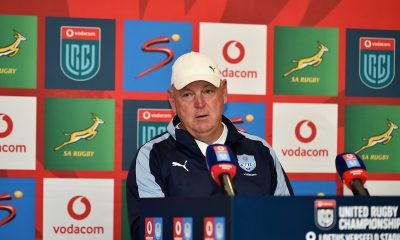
point(199, 101)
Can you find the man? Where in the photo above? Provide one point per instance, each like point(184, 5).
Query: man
point(173, 163)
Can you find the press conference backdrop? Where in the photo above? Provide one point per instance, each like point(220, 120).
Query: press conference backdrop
point(83, 84)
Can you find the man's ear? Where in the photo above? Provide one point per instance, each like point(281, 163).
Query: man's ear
point(171, 99)
point(224, 86)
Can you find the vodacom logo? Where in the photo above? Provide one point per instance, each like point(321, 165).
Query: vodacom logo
point(4, 132)
point(300, 134)
point(86, 210)
point(227, 51)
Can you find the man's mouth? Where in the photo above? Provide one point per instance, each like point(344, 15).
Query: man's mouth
point(202, 116)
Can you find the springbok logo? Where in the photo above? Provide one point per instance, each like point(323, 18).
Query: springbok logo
point(88, 133)
point(377, 63)
point(80, 52)
point(12, 49)
point(147, 47)
point(9, 125)
point(240, 56)
point(315, 60)
point(86, 210)
point(383, 138)
point(8, 208)
point(299, 134)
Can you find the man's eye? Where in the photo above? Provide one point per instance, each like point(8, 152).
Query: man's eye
point(208, 91)
point(187, 96)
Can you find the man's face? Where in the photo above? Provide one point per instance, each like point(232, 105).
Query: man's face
point(200, 105)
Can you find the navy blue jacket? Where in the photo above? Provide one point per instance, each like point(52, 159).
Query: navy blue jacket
point(154, 171)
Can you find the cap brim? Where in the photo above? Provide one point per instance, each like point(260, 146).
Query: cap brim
point(182, 82)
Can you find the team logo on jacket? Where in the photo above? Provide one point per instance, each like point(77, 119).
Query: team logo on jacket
point(377, 61)
point(80, 52)
point(325, 213)
point(247, 162)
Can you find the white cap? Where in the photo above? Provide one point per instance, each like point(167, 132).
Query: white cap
point(194, 66)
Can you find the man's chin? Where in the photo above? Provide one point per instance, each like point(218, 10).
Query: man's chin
point(202, 127)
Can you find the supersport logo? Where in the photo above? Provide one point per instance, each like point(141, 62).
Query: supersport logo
point(312, 127)
point(147, 47)
point(8, 208)
point(86, 211)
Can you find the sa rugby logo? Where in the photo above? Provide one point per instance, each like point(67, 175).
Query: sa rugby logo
point(376, 63)
point(315, 60)
point(12, 49)
point(88, 133)
point(383, 138)
point(80, 52)
point(325, 213)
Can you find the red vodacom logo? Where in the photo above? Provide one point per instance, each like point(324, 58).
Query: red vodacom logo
point(239, 47)
point(9, 125)
point(72, 212)
point(305, 139)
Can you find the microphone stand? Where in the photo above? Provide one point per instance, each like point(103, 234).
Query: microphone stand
point(227, 184)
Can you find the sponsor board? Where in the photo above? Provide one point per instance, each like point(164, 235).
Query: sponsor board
point(306, 61)
point(18, 133)
point(150, 48)
point(306, 140)
point(78, 209)
point(80, 53)
point(372, 132)
point(18, 46)
point(17, 208)
point(240, 52)
point(136, 131)
point(80, 134)
point(372, 58)
point(247, 117)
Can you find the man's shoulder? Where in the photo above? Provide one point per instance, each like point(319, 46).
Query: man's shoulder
point(254, 138)
point(161, 139)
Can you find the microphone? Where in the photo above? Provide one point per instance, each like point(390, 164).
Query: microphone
point(219, 161)
point(352, 172)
